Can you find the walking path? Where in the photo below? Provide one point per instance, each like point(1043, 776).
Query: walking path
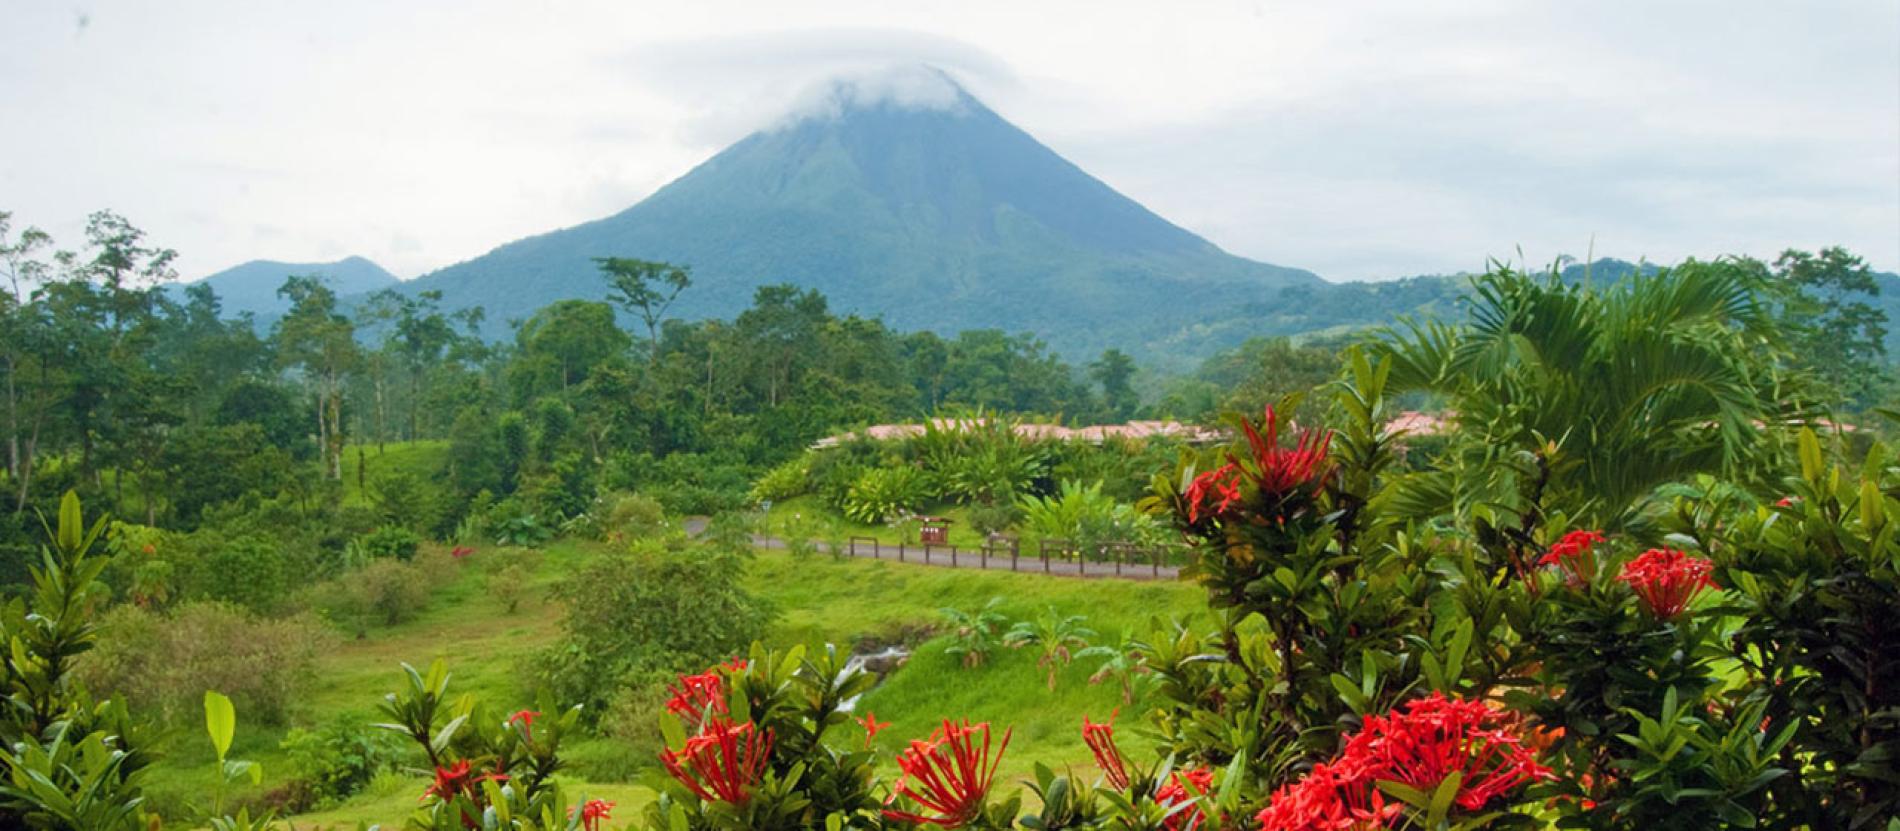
point(946, 556)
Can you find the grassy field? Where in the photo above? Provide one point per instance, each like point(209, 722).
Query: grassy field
point(817, 598)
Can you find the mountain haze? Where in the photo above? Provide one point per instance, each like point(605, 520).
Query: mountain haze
point(935, 214)
point(252, 286)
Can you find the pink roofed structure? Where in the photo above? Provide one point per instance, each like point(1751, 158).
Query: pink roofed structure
point(1038, 432)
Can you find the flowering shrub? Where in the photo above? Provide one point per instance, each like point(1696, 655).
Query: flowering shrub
point(1436, 753)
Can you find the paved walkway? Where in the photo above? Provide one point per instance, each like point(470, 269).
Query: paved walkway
point(945, 556)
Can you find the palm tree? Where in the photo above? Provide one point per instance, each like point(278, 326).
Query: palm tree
point(1058, 635)
point(1585, 400)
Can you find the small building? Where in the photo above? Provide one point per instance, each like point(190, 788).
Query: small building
point(935, 530)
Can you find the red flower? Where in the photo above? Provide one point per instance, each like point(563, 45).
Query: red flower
point(1575, 556)
point(1101, 741)
point(1419, 747)
point(525, 718)
point(1179, 792)
point(872, 727)
point(722, 763)
point(461, 551)
point(1666, 580)
point(592, 813)
point(698, 698)
point(1222, 482)
point(450, 782)
point(1787, 501)
point(1278, 470)
point(949, 775)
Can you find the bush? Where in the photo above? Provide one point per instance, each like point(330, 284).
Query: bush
point(510, 585)
point(656, 609)
point(250, 571)
point(994, 519)
point(391, 542)
point(384, 591)
point(164, 663)
point(404, 500)
point(626, 516)
point(790, 479)
point(1087, 517)
point(337, 761)
point(884, 494)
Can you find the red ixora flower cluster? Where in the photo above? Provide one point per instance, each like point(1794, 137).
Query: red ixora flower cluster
point(1575, 556)
point(1280, 470)
point(701, 698)
point(1182, 788)
point(593, 813)
point(1101, 741)
point(722, 763)
point(872, 727)
point(1667, 579)
point(949, 775)
point(1419, 747)
point(1222, 484)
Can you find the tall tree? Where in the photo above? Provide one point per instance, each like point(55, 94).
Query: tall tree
point(1834, 329)
point(314, 338)
point(1115, 371)
point(645, 288)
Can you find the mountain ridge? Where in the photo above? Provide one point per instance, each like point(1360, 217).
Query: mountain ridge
point(251, 286)
point(931, 217)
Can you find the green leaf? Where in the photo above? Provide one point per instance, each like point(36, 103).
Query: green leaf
point(1810, 453)
point(220, 716)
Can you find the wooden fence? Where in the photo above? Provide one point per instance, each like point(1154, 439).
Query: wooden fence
point(1051, 556)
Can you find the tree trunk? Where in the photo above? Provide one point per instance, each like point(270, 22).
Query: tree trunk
point(415, 402)
point(382, 414)
point(26, 470)
point(336, 435)
point(13, 419)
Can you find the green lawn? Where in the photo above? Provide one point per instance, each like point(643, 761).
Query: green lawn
point(362, 463)
point(817, 597)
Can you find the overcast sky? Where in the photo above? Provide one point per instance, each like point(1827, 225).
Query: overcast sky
point(1362, 141)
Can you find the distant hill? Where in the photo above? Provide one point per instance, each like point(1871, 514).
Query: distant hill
point(935, 215)
point(252, 287)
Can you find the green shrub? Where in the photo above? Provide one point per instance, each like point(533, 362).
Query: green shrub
point(510, 585)
point(385, 591)
point(656, 608)
point(1083, 514)
point(993, 519)
point(390, 542)
point(337, 761)
point(250, 571)
point(626, 516)
point(884, 494)
point(791, 478)
point(402, 499)
point(163, 663)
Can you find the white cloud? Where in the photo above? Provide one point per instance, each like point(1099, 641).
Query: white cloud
point(1356, 139)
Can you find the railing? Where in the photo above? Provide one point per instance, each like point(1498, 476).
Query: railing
point(1053, 556)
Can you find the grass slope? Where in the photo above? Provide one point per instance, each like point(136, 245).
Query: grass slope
point(818, 597)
